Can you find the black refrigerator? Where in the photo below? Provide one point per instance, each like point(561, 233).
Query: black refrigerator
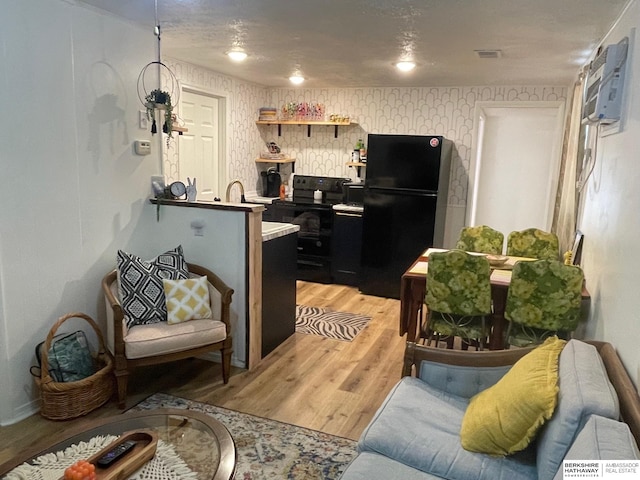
point(405, 204)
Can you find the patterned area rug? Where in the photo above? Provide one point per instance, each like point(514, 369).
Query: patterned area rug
point(326, 323)
point(268, 449)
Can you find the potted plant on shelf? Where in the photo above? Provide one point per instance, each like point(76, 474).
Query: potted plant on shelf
point(160, 100)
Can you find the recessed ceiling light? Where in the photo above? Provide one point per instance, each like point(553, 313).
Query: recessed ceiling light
point(405, 66)
point(237, 55)
point(296, 79)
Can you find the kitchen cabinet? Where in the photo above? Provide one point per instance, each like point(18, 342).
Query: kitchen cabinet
point(346, 246)
point(279, 268)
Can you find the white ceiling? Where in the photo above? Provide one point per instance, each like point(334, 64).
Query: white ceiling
point(353, 43)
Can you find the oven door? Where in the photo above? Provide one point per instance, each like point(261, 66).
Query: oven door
point(314, 238)
point(315, 222)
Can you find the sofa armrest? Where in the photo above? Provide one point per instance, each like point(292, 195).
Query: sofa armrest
point(627, 394)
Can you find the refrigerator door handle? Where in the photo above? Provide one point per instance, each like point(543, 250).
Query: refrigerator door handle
point(401, 191)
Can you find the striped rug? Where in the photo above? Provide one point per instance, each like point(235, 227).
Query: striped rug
point(326, 323)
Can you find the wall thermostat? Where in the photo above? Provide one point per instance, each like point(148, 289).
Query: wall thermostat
point(142, 147)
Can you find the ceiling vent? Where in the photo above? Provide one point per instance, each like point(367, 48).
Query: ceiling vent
point(488, 53)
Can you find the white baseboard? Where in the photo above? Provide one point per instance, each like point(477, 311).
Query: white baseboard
point(22, 412)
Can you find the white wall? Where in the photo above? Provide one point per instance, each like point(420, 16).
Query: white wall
point(222, 248)
point(73, 189)
point(609, 219)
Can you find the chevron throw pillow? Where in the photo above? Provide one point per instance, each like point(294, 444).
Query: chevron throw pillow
point(187, 299)
point(140, 284)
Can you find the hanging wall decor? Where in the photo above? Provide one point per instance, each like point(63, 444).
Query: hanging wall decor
point(156, 99)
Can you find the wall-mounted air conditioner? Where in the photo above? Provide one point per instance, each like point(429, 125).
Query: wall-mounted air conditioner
point(604, 85)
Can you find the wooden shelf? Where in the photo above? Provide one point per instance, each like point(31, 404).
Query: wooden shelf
point(278, 162)
point(308, 123)
point(358, 165)
point(275, 160)
point(301, 122)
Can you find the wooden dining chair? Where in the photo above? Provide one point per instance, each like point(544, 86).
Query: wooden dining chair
point(533, 243)
point(458, 298)
point(543, 300)
point(480, 238)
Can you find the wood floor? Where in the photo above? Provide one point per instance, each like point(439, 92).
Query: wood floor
point(310, 381)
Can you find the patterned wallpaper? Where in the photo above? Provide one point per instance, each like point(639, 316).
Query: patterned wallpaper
point(447, 111)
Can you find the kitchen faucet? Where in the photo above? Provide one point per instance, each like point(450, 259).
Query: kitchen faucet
point(227, 197)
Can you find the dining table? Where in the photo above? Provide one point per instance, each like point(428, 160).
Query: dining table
point(413, 287)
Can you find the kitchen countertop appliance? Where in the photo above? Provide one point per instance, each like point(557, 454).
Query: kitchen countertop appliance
point(405, 204)
point(311, 207)
point(271, 182)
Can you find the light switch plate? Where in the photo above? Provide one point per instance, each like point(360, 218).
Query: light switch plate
point(143, 121)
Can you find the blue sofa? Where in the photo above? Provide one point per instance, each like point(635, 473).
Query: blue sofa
point(415, 434)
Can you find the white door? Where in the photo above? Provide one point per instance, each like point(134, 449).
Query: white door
point(200, 146)
point(514, 171)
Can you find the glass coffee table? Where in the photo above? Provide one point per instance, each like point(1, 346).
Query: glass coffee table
point(200, 441)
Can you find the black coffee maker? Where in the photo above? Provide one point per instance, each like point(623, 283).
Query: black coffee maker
point(271, 182)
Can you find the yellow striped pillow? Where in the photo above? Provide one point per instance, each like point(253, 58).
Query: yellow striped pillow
point(187, 299)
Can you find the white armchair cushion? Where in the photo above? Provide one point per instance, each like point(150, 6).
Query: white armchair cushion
point(161, 338)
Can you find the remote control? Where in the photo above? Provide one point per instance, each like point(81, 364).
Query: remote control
point(115, 454)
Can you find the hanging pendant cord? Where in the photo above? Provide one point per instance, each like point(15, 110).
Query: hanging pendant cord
point(157, 31)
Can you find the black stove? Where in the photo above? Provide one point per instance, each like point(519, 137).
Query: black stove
point(305, 186)
point(315, 218)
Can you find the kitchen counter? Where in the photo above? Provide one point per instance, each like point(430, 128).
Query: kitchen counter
point(271, 230)
point(343, 207)
point(262, 200)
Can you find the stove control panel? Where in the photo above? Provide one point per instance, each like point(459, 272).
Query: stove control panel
point(324, 184)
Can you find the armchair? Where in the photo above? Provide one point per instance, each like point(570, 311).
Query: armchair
point(157, 343)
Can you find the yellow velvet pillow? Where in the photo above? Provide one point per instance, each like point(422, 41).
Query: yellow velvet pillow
point(504, 418)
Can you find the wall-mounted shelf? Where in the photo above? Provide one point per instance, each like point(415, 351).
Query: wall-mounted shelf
point(308, 123)
point(278, 162)
point(358, 165)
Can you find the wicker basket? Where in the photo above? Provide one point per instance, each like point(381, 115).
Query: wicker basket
point(65, 400)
